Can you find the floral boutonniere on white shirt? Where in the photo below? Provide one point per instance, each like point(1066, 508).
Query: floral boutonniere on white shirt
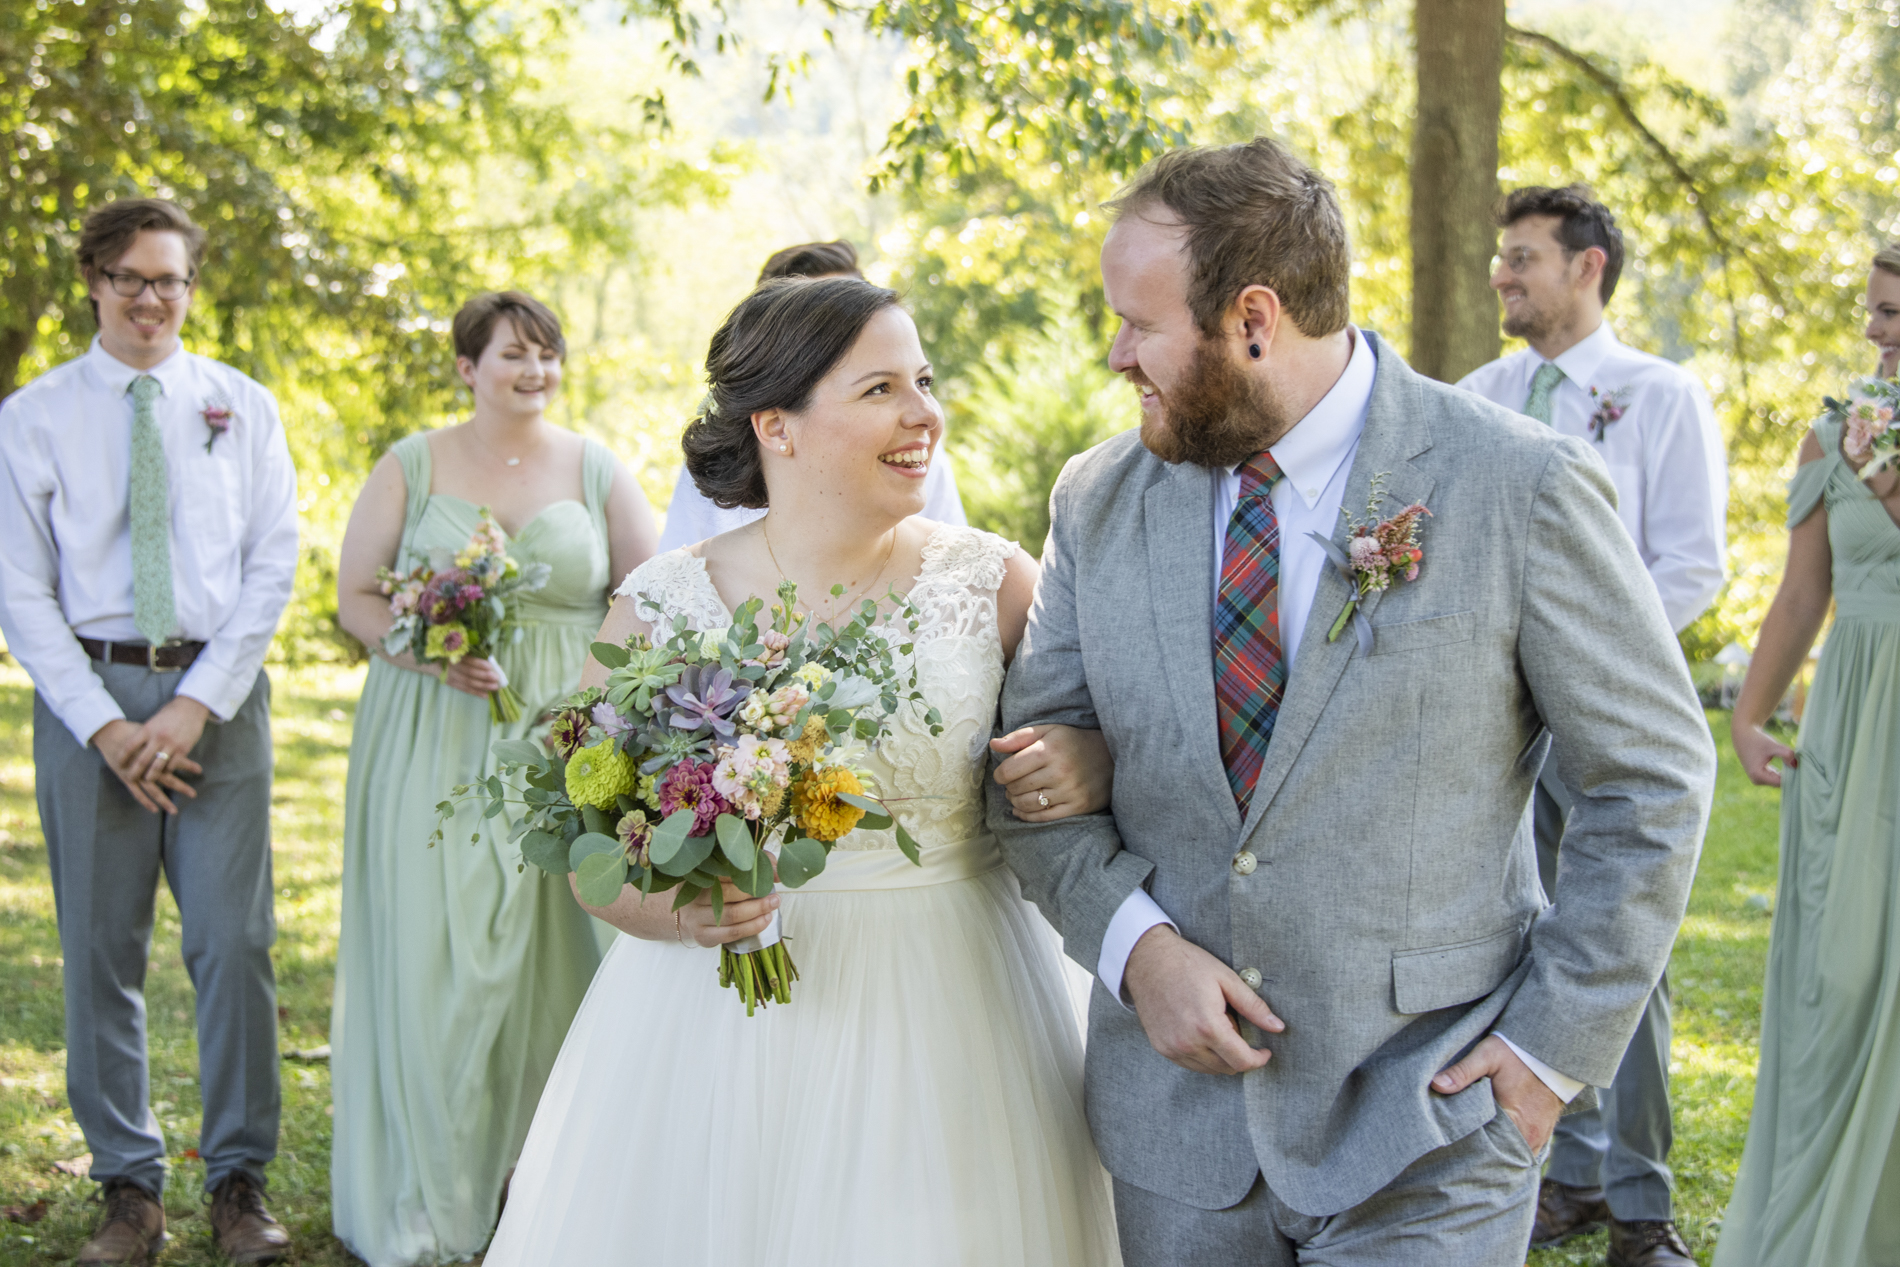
point(1610, 407)
point(1379, 552)
point(219, 414)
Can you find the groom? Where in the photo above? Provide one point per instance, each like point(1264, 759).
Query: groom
point(1337, 1021)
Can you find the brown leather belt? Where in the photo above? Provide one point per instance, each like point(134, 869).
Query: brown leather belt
point(171, 657)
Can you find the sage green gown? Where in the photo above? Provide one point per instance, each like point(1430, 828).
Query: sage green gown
point(457, 972)
point(1819, 1184)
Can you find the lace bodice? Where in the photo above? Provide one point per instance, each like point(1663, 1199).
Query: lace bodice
point(937, 782)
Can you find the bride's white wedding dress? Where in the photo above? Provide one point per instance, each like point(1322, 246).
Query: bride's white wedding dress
point(918, 1102)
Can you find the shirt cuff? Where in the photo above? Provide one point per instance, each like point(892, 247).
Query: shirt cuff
point(91, 712)
point(220, 691)
point(1138, 913)
point(1565, 1087)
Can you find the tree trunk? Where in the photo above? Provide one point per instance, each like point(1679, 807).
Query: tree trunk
point(14, 342)
point(1455, 184)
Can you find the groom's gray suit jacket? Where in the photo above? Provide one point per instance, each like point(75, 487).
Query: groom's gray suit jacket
point(1395, 914)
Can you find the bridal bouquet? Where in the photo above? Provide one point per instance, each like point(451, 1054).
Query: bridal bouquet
point(457, 605)
point(734, 755)
point(1866, 422)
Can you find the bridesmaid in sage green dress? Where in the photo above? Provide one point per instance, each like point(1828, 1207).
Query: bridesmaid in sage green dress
point(458, 972)
point(1819, 1184)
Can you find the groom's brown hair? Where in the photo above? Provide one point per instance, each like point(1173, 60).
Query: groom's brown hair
point(1255, 216)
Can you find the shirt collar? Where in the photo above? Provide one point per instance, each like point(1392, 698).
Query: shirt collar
point(116, 376)
point(1310, 454)
point(1581, 362)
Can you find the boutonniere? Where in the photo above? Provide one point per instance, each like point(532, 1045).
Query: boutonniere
point(1866, 420)
point(1379, 552)
point(1610, 407)
point(218, 415)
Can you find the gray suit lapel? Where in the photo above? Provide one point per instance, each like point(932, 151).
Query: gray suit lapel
point(1179, 513)
point(1395, 432)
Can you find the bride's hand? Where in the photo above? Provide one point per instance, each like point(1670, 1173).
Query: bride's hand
point(652, 917)
point(1054, 772)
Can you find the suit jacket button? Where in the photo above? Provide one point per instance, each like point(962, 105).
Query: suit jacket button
point(1245, 862)
point(1251, 976)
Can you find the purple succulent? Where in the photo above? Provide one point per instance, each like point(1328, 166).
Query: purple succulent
point(707, 695)
point(612, 724)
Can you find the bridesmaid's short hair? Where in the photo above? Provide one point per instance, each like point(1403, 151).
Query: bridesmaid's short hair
point(474, 325)
point(770, 354)
point(1887, 258)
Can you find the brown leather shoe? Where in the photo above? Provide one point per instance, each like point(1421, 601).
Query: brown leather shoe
point(133, 1231)
point(1564, 1212)
point(1648, 1243)
point(245, 1230)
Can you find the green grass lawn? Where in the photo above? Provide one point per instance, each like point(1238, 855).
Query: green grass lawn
point(1716, 973)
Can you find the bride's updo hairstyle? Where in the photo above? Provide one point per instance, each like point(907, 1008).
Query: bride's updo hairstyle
point(770, 354)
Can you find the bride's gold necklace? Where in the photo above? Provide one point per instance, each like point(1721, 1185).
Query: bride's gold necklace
point(829, 613)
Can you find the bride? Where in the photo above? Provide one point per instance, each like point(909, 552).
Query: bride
point(919, 1100)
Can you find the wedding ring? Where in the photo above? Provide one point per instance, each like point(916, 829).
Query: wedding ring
point(164, 756)
point(1042, 799)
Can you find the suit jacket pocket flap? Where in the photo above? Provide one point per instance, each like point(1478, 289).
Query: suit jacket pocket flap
point(1416, 635)
point(1444, 976)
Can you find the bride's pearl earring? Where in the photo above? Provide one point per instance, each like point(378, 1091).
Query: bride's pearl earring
point(784, 448)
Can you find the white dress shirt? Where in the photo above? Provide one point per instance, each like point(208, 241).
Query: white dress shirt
point(66, 572)
point(691, 517)
point(1665, 456)
point(1315, 461)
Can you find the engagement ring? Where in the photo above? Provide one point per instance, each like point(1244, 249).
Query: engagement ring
point(1042, 799)
point(163, 757)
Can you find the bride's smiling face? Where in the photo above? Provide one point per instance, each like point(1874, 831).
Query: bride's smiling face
point(871, 429)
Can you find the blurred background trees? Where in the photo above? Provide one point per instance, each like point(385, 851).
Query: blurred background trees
point(364, 166)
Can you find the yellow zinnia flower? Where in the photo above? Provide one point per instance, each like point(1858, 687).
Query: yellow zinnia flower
point(597, 775)
point(815, 804)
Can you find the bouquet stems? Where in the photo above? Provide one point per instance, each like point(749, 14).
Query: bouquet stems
point(762, 977)
point(504, 706)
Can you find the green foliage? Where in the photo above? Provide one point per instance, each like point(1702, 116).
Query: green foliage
point(1015, 423)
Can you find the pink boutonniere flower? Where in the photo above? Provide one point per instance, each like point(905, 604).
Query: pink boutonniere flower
point(1611, 406)
point(1379, 552)
point(218, 415)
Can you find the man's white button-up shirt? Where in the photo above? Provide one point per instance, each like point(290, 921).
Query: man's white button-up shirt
point(1665, 455)
point(66, 572)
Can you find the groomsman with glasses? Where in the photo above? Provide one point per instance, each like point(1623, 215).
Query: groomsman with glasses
point(1652, 424)
point(149, 508)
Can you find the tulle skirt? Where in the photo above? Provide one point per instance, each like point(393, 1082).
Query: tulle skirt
point(919, 1101)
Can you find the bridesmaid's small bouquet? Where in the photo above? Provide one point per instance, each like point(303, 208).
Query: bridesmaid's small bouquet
point(1866, 422)
point(734, 755)
point(459, 604)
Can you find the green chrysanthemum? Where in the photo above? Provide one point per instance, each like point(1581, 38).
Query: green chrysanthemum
point(596, 775)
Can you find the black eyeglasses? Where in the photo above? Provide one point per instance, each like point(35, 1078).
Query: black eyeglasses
point(131, 285)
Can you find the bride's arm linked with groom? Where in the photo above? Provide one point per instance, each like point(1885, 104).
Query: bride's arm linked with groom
point(1334, 1001)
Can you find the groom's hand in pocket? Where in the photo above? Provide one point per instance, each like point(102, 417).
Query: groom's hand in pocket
point(1534, 1107)
point(1186, 1000)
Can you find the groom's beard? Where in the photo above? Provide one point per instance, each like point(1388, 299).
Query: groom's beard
point(1217, 416)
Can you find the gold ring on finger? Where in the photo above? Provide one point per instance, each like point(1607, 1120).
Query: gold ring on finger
point(1042, 799)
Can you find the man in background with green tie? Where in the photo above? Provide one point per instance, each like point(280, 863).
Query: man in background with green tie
point(149, 508)
point(1651, 422)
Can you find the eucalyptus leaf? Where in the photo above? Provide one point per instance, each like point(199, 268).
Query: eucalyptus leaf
point(864, 803)
point(610, 656)
point(669, 836)
point(758, 881)
point(518, 752)
point(591, 844)
point(735, 838)
point(718, 903)
point(547, 852)
point(599, 878)
point(692, 851)
point(908, 845)
point(799, 861)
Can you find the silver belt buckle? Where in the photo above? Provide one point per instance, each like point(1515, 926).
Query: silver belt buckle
point(151, 657)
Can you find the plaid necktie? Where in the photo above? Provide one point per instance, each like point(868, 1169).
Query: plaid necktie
point(1249, 670)
point(1543, 383)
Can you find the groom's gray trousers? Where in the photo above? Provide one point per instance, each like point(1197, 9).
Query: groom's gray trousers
point(106, 853)
point(1623, 1144)
point(1470, 1203)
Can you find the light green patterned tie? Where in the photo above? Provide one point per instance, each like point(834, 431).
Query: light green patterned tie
point(151, 514)
point(1543, 383)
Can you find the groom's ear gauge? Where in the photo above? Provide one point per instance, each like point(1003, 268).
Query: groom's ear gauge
point(1253, 350)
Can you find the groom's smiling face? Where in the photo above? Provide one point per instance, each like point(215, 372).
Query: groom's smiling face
point(1198, 404)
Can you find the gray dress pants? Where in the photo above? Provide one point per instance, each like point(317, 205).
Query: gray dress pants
point(106, 853)
point(1622, 1145)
